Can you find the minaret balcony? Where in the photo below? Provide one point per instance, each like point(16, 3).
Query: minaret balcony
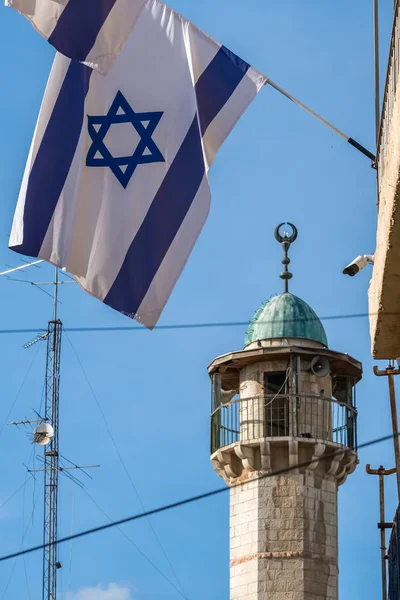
point(270, 433)
point(277, 417)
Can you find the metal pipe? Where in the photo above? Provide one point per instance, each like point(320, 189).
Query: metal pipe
point(347, 138)
point(307, 109)
point(395, 425)
point(376, 68)
point(382, 525)
point(383, 540)
point(390, 372)
point(55, 293)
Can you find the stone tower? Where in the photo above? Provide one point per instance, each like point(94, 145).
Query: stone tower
point(283, 401)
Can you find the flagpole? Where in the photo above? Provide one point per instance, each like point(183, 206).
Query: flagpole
point(347, 138)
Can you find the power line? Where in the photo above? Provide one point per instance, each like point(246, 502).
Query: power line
point(21, 552)
point(194, 325)
point(20, 390)
point(187, 501)
point(13, 494)
point(133, 543)
point(23, 526)
point(125, 467)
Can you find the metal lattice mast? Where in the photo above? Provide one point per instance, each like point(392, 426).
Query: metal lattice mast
point(51, 454)
point(46, 434)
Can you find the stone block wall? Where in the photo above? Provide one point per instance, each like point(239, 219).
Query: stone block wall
point(384, 290)
point(283, 534)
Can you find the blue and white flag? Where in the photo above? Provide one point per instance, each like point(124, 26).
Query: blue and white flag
point(91, 31)
point(115, 189)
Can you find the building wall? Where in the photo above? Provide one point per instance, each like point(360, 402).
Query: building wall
point(384, 291)
point(283, 534)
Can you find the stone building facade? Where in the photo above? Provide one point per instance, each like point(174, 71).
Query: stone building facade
point(384, 291)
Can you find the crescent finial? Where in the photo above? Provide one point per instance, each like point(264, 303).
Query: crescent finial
point(286, 240)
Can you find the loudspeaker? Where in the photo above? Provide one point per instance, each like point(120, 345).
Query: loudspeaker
point(320, 366)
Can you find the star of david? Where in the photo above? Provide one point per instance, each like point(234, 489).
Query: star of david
point(146, 151)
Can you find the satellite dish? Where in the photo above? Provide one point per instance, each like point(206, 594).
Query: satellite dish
point(43, 434)
point(320, 366)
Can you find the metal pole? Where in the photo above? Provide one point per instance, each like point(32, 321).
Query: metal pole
point(395, 425)
point(382, 525)
point(383, 540)
point(51, 462)
point(390, 372)
point(51, 453)
point(376, 69)
point(347, 138)
point(55, 293)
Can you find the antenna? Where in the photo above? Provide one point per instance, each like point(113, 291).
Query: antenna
point(22, 267)
point(47, 434)
point(51, 453)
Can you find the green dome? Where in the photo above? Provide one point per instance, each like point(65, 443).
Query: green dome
point(285, 316)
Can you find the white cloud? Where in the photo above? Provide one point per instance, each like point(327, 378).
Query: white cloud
point(113, 592)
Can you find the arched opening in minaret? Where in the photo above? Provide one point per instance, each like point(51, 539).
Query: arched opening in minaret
point(276, 404)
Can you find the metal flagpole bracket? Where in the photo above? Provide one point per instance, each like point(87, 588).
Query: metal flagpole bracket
point(347, 138)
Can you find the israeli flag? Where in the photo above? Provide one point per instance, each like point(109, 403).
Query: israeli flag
point(91, 31)
point(115, 189)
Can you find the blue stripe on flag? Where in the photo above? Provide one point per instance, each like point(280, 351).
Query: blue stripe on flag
point(178, 189)
point(79, 25)
point(216, 85)
point(54, 158)
point(160, 225)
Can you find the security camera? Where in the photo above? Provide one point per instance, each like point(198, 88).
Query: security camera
point(358, 264)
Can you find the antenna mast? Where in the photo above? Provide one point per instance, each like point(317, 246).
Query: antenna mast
point(46, 434)
point(51, 454)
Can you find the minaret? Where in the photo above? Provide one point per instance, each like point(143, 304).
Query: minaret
point(285, 400)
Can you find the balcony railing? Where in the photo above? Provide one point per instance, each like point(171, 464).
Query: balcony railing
point(302, 416)
point(392, 79)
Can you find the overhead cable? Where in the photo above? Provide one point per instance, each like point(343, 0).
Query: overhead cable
point(181, 593)
point(188, 501)
point(112, 328)
point(125, 468)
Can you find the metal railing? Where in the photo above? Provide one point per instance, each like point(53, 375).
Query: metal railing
point(392, 79)
point(285, 415)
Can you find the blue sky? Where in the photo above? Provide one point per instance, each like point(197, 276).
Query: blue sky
point(277, 165)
